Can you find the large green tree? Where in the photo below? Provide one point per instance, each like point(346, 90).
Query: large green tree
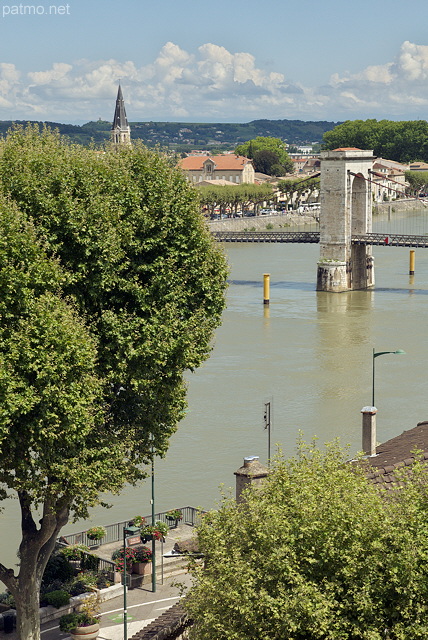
point(403, 141)
point(316, 553)
point(110, 289)
point(261, 148)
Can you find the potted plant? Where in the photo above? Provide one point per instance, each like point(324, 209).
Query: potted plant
point(119, 555)
point(162, 528)
point(74, 551)
point(155, 531)
point(142, 559)
point(138, 521)
point(95, 534)
point(84, 624)
point(174, 516)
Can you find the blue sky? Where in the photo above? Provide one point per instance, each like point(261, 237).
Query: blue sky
point(224, 61)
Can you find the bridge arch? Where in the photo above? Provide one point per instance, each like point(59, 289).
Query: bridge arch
point(346, 209)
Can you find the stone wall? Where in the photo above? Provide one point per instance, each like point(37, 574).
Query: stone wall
point(171, 625)
point(399, 205)
point(261, 223)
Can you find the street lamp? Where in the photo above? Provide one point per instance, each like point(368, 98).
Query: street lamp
point(127, 531)
point(375, 355)
point(153, 519)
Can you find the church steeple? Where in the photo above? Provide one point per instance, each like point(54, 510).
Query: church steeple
point(120, 131)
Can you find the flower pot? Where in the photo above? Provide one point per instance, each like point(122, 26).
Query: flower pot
point(146, 538)
point(173, 522)
point(94, 544)
point(86, 633)
point(142, 568)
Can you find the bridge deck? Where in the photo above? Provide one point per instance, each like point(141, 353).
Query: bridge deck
point(379, 239)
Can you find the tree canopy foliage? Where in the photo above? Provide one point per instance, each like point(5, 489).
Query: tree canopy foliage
point(418, 181)
point(234, 197)
point(111, 287)
point(208, 134)
point(269, 155)
point(294, 188)
point(316, 553)
point(404, 141)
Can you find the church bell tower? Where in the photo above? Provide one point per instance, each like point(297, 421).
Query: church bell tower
point(120, 130)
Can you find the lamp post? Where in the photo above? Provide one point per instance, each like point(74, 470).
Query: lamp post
point(153, 522)
point(375, 355)
point(127, 531)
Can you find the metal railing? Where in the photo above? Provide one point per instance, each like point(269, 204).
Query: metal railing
point(114, 532)
point(380, 239)
point(267, 236)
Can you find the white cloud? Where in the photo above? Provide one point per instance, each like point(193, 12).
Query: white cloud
point(213, 83)
point(58, 72)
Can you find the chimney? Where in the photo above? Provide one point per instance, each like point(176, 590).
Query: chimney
point(369, 430)
point(251, 473)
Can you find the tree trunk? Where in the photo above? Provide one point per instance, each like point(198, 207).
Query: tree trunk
point(27, 603)
point(35, 549)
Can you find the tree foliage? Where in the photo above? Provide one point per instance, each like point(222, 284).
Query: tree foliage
point(316, 554)
point(267, 153)
point(404, 141)
point(234, 197)
point(418, 181)
point(294, 189)
point(110, 289)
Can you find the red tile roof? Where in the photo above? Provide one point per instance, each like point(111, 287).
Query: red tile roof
point(397, 453)
point(228, 162)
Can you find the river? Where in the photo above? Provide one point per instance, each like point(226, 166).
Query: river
point(310, 353)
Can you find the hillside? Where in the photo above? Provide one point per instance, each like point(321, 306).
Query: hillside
point(180, 136)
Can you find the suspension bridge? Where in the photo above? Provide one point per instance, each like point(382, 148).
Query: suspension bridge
point(345, 229)
point(313, 237)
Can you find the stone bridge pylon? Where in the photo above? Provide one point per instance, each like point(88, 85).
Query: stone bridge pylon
point(346, 209)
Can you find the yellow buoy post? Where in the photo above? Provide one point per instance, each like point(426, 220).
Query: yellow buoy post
point(266, 286)
point(412, 263)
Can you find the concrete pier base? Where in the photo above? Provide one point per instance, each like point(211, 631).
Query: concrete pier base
point(332, 276)
point(346, 209)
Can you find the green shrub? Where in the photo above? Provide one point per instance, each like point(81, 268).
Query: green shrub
point(57, 598)
point(71, 621)
point(103, 580)
point(58, 568)
point(89, 562)
point(84, 582)
point(77, 587)
point(7, 598)
point(55, 585)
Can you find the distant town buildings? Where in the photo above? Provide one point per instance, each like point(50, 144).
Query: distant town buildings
point(388, 179)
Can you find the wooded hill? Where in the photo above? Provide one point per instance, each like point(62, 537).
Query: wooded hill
point(184, 135)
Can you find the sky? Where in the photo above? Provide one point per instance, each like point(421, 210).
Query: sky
point(223, 61)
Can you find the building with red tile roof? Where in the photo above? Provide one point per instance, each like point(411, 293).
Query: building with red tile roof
point(229, 167)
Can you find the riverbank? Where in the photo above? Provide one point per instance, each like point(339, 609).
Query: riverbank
point(261, 223)
point(410, 204)
point(292, 218)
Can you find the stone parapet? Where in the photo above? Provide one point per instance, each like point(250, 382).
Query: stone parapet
point(171, 625)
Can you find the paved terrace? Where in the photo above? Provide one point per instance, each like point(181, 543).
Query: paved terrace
point(144, 606)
